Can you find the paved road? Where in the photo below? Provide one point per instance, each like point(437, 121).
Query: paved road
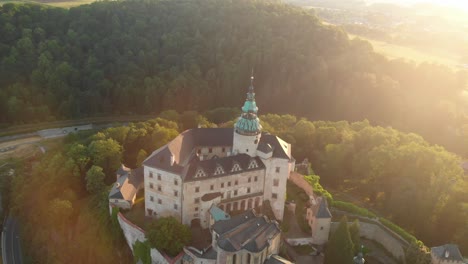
point(11, 244)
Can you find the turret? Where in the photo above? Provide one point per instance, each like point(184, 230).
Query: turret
point(247, 130)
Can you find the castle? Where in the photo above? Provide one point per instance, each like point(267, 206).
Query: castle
point(235, 168)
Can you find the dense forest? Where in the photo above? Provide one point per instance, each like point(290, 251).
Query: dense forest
point(64, 193)
point(145, 56)
point(394, 172)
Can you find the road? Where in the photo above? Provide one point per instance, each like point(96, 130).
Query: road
point(11, 244)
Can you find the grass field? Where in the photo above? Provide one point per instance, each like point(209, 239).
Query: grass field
point(394, 51)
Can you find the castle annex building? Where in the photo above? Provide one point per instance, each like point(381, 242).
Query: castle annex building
point(235, 168)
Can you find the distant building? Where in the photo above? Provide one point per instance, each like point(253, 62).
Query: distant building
point(319, 219)
point(446, 254)
point(236, 169)
point(125, 189)
point(246, 238)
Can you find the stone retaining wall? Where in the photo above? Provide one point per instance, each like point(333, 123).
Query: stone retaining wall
point(375, 232)
point(133, 233)
point(299, 180)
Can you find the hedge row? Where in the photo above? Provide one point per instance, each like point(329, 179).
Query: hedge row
point(354, 209)
point(400, 231)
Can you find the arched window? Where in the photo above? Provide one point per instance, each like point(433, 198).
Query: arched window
point(200, 173)
point(257, 202)
point(219, 170)
point(234, 259)
point(249, 204)
point(253, 164)
point(249, 258)
point(236, 167)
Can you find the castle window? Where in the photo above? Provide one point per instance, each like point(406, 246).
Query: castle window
point(176, 193)
point(175, 206)
point(210, 150)
point(236, 167)
point(199, 151)
point(200, 173)
point(248, 190)
point(159, 201)
point(219, 170)
point(176, 182)
point(250, 179)
point(321, 228)
point(256, 178)
point(235, 192)
point(236, 182)
point(151, 175)
point(229, 184)
point(151, 198)
point(222, 185)
point(247, 150)
point(159, 188)
point(223, 150)
point(275, 182)
point(256, 141)
point(151, 186)
point(211, 187)
point(253, 164)
point(197, 200)
point(159, 176)
point(277, 169)
point(197, 189)
point(274, 196)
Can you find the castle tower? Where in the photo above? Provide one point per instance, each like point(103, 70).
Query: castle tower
point(247, 130)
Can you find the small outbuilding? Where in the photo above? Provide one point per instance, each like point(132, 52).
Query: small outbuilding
point(125, 189)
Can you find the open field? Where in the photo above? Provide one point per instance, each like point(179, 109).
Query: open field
point(394, 51)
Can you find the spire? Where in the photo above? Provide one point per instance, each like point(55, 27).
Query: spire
point(248, 123)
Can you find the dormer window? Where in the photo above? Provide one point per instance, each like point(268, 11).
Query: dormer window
point(200, 173)
point(219, 170)
point(253, 164)
point(236, 167)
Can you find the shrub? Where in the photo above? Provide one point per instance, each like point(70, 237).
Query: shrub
point(354, 209)
point(401, 232)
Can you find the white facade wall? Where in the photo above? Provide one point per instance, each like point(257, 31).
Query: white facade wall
point(231, 191)
point(276, 169)
point(169, 183)
point(245, 144)
point(320, 230)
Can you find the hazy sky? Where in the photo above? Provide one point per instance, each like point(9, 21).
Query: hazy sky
point(454, 3)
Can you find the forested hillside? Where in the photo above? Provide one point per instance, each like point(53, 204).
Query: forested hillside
point(145, 56)
point(417, 185)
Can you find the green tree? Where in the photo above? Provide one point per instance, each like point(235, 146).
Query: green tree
point(355, 236)
point(142, 251)
point(95, 180)
point(142, 155)
point(340, 246)
point(169, 235)
point(107, 154)
point(416, 255)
